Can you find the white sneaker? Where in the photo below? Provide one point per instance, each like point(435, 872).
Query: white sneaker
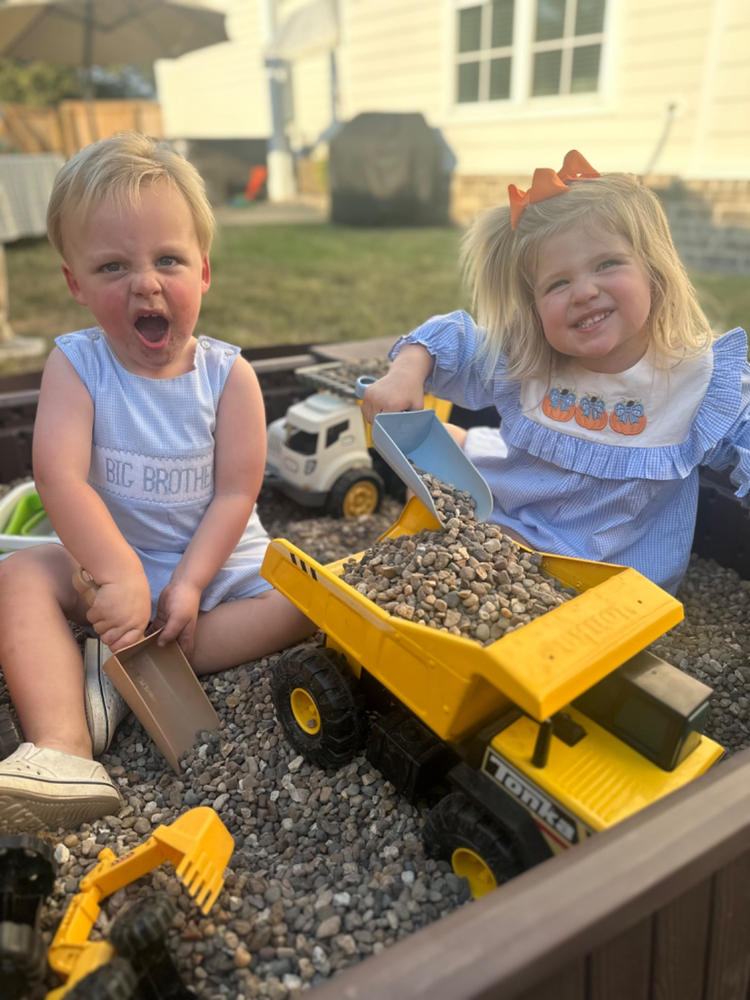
point(105, 706)
point(47, 788)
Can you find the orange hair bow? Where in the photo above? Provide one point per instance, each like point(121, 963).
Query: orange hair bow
point(546, 183)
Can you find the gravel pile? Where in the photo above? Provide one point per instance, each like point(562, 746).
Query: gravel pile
point(328, 868)
point(468, 579)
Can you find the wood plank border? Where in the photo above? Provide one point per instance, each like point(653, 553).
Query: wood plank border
point(642, 880)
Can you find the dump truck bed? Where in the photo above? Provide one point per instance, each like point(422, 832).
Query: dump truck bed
point(454, 683)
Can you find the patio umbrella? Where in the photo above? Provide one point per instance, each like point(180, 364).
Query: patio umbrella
point(88, 33)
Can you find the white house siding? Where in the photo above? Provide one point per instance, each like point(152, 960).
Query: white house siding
point(725, 139)
point(311, 87)
point(397, 55)
point(692, 54)
point(220, 92)
point(392, 56)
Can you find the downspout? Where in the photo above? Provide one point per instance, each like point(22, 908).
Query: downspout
point(281, 182)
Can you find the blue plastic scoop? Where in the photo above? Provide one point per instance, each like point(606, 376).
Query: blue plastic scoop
point(419, 438)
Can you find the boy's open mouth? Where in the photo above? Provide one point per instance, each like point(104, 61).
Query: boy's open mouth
point(152, 327)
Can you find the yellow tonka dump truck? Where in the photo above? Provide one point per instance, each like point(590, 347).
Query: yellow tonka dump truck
point(559, 729)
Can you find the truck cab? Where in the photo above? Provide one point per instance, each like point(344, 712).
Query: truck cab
point(318, 455)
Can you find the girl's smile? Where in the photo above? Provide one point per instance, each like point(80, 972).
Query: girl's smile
point(140, 270)
point(589, 321)
point(593, 297)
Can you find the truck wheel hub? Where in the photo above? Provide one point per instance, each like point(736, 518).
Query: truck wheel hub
point(305, 711)
point(471, 866)
point(362, 498)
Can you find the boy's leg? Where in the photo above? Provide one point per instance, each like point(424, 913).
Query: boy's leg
point(50, 780)
point(39, 655)
point(238, 631)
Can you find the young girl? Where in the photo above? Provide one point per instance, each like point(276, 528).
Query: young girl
point(149, 451)
point(601, 364)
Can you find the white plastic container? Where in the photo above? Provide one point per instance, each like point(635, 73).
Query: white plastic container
point(39, 534)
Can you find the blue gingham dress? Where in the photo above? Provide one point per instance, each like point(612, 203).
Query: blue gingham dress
point(152, 460)
point(608, 499)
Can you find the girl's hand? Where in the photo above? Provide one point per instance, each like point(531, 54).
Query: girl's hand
point(403, 387)
point(121, 611)
point(177, 613)
point(396, 391)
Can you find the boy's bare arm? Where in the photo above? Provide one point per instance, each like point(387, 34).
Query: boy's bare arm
point(239, 463)
point(61, 460)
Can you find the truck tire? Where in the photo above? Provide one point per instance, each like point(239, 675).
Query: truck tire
point(356, 492)
point(477, 849)
point(142, 925)
point(319, 705)
point(117, 980)
point(139, 935)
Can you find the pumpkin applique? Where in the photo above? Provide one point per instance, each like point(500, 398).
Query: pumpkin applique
point(591, 413)
point(559, 404)
point(628, 417)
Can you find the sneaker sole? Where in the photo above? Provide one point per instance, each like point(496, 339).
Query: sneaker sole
point(98, 716)
point(31, 812)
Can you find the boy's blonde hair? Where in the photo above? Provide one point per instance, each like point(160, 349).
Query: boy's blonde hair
point(118, 168)
point(500, 265)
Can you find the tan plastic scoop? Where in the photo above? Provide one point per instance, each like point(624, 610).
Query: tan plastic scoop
point(160, 687)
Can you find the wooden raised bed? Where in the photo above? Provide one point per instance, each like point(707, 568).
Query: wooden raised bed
point(657, 908)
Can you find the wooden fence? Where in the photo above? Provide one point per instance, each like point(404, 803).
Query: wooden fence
point(71, 125)
point(656, 908)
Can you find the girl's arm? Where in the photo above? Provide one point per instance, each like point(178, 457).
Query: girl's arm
point(239, 463)
point(450, 363)
point(403, 387)
point(61, 459)
point(733, 451)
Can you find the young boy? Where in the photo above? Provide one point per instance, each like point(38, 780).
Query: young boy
point(149, 451)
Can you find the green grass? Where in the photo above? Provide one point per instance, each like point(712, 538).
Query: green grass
point(725, 298)
point(280, 284)
point(310, 283)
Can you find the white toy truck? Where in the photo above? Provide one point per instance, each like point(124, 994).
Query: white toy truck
point(320, 453)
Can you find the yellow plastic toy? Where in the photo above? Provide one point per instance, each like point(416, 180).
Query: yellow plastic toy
point(197, 844)
point(558, 729)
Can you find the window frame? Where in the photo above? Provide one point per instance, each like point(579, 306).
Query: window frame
point(522, 51)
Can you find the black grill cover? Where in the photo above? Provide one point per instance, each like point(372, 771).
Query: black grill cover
point(389, 169)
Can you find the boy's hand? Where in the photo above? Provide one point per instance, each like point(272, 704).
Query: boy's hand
point(121, 611)
point(177, 613)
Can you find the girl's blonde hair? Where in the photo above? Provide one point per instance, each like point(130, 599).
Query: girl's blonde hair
point(118, 168)
point(500, 265)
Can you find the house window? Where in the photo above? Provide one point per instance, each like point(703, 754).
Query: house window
point(527, 48)
point(485, 47)
point(567, 46)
